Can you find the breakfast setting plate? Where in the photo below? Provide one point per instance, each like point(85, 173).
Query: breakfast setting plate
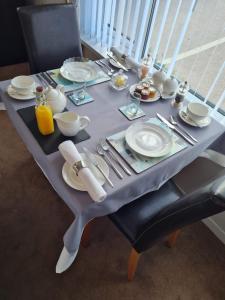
point(78, 71)
point(151, 96)
point(74, 181)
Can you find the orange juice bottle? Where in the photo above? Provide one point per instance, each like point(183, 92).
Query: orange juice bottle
point(43, 113)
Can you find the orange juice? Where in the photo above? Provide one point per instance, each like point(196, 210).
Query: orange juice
point(44, 118)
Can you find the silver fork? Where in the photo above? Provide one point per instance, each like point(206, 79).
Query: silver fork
point(100, 65)
point(108, 67)
point(174, 122)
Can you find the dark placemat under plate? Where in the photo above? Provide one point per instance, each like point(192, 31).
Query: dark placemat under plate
point(48, 143)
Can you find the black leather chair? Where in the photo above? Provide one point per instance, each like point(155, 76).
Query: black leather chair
point(195, 193)
point(51, 35)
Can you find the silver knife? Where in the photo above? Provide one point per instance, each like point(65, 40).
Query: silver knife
point(171, 126)
point(93, 161)
point(118, 63)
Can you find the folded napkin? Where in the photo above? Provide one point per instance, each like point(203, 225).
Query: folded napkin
point(71, 155)
point(130, 62)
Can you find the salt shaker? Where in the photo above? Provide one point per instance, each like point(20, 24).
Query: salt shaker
point(180, 95)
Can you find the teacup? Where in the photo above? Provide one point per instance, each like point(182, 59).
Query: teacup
point(23, 85)
point(197, 111)
point(70, 123)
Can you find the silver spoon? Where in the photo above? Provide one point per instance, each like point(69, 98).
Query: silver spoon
point(106, 147)
point(100, 65)
point(174, 122)
point(102, 153)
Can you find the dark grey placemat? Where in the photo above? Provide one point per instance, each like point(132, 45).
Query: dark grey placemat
point(48, 143)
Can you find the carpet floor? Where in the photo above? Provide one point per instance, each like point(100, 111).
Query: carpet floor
point(33, 220)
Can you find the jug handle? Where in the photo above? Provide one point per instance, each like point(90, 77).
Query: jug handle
point(84, 122)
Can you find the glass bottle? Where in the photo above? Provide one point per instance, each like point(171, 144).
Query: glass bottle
point(43, 113)
point(181, 93)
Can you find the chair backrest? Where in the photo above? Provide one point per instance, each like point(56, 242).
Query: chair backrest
point(51, 35)
point(202, 203)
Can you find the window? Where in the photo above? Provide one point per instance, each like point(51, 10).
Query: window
point(187, 36)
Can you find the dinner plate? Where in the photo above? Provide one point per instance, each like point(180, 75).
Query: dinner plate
point(153, 99)
point(78, 71)
point(188, 121)
point(148, 139)
point(13, 94)
point(74, 181)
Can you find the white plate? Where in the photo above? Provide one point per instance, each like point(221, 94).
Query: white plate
point(73, 180)
point(167, 97)
point(13, 94)
point(187, 120)
point(155, 98)
point(148, 139)
point(78, 71)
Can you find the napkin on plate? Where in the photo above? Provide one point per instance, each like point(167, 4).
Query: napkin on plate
point(71, 155)
point(129, 61)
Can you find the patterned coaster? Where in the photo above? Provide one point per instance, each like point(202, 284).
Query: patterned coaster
point(80, 97)
point(138, 162)
point(71, 86)
point(125, 111)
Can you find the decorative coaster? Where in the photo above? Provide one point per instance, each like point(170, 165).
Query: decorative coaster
point(48, 143)
point(80, 97)
point(124, 110)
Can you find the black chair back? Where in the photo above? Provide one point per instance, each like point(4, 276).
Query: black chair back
point(51, 34)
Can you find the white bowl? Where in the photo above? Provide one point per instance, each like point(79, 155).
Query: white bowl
point(197, 111)
point(23, 84)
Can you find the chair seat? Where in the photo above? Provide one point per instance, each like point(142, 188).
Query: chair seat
point(131, 218)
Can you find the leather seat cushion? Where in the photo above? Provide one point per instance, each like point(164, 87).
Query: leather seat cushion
point(133, 216)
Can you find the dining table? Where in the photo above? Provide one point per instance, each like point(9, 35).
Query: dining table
point(105, 120)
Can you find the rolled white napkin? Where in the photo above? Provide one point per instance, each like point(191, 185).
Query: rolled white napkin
point(71, 155)
point(129, 61)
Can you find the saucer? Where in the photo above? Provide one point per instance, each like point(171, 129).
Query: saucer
point(167, 97)
point(74, 181)
point(13, 94)
point(203, 123)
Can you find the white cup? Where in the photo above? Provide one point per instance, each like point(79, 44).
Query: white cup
point(197, 111)
point(23, 85)
point(70, 123)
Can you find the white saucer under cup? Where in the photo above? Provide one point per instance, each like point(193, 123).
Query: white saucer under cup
point(203, 123)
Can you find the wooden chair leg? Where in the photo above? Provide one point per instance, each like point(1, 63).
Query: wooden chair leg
point(173, 238)
point(85, 240)
point(132, 263)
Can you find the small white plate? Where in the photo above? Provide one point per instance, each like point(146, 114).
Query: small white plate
point(13, 94)
point(78, 71)
point(73, 180)
point(188, 121)
point(149, 100)
point(167, 97)
point(148, 139)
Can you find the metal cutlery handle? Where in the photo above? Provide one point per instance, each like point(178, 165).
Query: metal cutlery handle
point(113, 167)
point(187, 133)
point(105, 176)
point(104, 64)
point(120, 163)
point(183, 136)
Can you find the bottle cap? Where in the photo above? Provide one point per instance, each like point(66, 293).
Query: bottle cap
point(39, 89)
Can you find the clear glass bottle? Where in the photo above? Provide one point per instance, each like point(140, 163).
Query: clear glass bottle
point(43, 113)
point(181, 93)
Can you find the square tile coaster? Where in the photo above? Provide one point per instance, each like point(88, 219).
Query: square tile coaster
point(139, 114)
point(73, 97)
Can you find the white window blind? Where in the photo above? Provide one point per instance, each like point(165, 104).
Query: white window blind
point(188, 36)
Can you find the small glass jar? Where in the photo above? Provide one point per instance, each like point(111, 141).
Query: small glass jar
point(119, 81)
point(143, 70)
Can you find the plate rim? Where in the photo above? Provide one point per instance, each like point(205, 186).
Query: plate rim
point(80, 63)
point(82, 189)
point(189, 122)
point(144, 153)
point(20, 97)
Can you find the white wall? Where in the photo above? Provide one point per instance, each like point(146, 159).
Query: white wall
point(217, 225)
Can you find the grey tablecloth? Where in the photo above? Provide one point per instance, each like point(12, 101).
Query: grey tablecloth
point(106, 120)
